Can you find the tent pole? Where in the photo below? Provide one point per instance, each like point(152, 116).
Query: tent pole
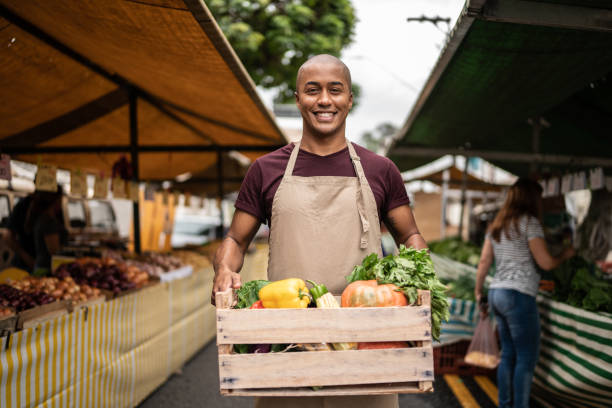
point(134, 156)
point(220, 192)
point(444, 198)
point(463, 193)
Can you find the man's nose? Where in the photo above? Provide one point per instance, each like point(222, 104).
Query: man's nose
point(324, 98)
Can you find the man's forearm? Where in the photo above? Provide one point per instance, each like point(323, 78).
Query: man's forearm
point(228, 257)
point(416, 241)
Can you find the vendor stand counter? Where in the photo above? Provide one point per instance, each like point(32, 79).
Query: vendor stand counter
point(575, 364)
point(112, 354)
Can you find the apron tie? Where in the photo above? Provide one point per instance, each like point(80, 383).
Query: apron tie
point(365, 224)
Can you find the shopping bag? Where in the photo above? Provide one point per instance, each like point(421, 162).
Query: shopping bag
point(483, 350)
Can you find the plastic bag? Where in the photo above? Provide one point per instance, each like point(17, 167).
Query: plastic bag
point(483, 350)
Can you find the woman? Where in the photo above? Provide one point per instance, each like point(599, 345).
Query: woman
point(516, 240)
point(43, 222)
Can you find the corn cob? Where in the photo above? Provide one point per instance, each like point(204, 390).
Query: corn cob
point(326, 300)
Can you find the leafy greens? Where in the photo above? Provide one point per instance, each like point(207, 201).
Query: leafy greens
point(249, 293)
point(410, 270)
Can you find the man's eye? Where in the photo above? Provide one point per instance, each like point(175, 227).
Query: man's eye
point(311, 90)
point(336, 90)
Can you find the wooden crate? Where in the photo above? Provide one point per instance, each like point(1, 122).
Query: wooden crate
point(352, 372)
point(40, 314)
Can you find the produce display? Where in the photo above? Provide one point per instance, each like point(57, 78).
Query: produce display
point(192, 258)
point(410, 270)
point(60, 289)
point(457, 249)
point(105, 273)
point(154, 264)
point(462, 287)
point(580, 283)
point(20, 300)
point(6, 311)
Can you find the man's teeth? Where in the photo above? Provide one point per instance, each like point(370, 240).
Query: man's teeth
point(325, 114)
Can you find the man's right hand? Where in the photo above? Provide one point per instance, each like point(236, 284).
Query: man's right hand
point(224, 281)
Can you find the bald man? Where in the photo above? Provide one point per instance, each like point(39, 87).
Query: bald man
point(324, 199)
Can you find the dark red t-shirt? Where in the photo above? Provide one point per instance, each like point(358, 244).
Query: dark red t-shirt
point(265, 174)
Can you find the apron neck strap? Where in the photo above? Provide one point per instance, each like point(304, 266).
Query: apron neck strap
point(292, 159)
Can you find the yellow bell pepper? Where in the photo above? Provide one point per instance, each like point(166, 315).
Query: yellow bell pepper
point(285, 294)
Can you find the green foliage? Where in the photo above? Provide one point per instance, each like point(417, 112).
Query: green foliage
point(249, 293)
point(580, 283)
point(374, 139)
point(456, 249)
point(274, 37)
point(410, 270)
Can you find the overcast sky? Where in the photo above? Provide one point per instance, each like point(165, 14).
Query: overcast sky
point(390, 59)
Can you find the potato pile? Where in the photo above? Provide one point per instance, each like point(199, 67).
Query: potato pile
point(5, 311)
point(60, 289)
point(194, 259)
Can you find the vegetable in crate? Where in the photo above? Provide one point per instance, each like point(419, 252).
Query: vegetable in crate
point(287, 293)
point(249, 293)
point(410, 270)
point(326, 300)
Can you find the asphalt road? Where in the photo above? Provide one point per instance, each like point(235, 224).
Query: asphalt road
point(198, 386)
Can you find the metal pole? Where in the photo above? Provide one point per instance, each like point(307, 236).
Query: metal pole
point(445, 178)
point(134, 157)
point(220, 192)
point(463, 194)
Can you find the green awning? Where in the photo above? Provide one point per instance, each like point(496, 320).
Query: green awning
point(508, 62)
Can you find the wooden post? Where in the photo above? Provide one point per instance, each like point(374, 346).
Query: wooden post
point(220, 192)
point(135, 175)
point(464, 176)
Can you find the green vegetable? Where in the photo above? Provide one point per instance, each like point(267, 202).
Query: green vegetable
point(410, 270)
point(457, 249)
point(248, 293)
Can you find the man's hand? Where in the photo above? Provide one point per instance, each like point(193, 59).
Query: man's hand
point(224, 281)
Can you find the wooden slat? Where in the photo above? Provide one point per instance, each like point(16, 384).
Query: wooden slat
point(322, 368)
point(360, 389)
point(425, 301)
point(323, 325)
point(223, 301)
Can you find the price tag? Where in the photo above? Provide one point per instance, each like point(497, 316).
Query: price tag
point(579, 181)
point(5, 167)
point(100, 187)
point(119, 188)
point(165, 197)
point(552, 187)
point(134, 191)
point(78, 183)
point(187, 199)
point(46, 178)
point(566, 184)
point(596, 178)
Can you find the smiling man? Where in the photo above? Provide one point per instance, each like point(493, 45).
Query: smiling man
point(323, 199)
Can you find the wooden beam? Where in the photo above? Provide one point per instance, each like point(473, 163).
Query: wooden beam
point(95, 149)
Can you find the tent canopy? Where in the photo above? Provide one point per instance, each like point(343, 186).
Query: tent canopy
point(86, 82)
point(519, 83)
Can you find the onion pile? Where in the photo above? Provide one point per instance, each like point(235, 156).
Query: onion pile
point(20, 300)
point(60, 289)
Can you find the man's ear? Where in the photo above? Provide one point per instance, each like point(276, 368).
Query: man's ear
point(350, 100)
point(297, 97)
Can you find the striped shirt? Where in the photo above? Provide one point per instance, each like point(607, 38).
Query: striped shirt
point(515, 267)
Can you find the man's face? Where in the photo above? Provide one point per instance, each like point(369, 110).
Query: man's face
point(324, 98)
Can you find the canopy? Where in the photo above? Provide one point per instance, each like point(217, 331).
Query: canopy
point(519, 83)
point(83, 82)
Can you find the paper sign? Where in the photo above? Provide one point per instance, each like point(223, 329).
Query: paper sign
point(187, 199)
point(552, 187)
point(134, 191)
point(596, 178)
point(78, 183)
point(100, 187)
point(46, 178)
point(566, 184)
point(119, 188)
point(5, 167)
point(579, 181)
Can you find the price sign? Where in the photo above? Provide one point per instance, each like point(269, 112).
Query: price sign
point(579, 181)
point(119, 188)
point(596, 178)
point(78, 183)
point(5, 167)
point(566, 184)
point(100, 187)
point(46, 178)
point(187, 199)
point(134, 191)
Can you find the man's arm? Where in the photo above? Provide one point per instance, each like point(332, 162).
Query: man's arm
point(230, 255)
point(400, 222)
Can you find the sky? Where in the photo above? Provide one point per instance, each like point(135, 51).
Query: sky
point(390, 59)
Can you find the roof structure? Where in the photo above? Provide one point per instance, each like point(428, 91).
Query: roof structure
point(83, 83)
point(526, 85)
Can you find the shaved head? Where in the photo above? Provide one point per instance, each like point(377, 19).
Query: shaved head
point(324, 59)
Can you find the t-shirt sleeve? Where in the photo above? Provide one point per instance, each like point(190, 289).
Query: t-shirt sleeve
point(534, 229)
point(48, 226)
point(250, 196)
point(396, 191)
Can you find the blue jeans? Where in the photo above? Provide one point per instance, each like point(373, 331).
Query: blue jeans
point(518, 322)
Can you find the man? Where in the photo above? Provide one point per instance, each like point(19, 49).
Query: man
point(323, 199)
point(20, 240)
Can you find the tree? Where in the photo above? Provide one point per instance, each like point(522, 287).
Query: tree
point(274, 37)
point(375, 139)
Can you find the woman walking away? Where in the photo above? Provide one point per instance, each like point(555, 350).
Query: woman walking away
point(516, 240)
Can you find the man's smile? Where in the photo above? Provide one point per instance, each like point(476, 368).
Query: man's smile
point(324, 116)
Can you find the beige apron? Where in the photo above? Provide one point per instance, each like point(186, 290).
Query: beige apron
point(322, 227)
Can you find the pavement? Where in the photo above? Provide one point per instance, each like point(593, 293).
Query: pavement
point(197, 385)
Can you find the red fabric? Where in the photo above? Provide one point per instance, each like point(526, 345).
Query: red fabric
point(265, 174)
